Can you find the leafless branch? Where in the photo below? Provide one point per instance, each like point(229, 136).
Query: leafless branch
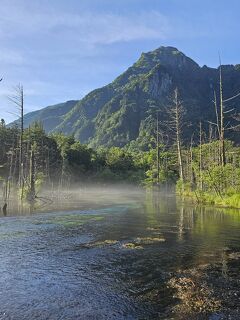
point(229, 99)
point(228, 111)
point(215, 124)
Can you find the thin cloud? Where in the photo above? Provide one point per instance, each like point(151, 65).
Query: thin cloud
point(92, 28)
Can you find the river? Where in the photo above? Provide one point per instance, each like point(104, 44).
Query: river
point(119, 254)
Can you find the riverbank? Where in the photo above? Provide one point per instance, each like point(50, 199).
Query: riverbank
point(225, 201)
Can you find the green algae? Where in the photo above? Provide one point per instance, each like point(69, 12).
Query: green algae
point(99, 244)
point(139, 243)
point(149, 240)
point(10, 235)
point(71, 220)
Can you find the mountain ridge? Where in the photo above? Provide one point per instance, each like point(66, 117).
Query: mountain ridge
point(119, 113)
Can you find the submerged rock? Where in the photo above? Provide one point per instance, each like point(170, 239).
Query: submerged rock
point(131, 245)
point(99, 244)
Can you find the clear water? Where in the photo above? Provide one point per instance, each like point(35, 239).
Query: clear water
point(55, 263)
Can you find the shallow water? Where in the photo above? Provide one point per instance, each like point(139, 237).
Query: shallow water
point(107, 256)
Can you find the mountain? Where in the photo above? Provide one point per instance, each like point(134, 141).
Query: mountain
point(122, 112)
point(50, 116)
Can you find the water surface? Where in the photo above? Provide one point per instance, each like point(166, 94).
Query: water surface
point(108, 255)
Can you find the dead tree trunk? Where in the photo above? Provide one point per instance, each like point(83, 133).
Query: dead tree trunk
point(32, 192)
point(158, 164)
point(200, 157)
point(177, 113)
point(174, 125)
point(18, 100)
point(222, 129)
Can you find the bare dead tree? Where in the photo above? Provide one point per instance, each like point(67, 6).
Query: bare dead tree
point(18, 100)
point(200, 157)
point(175, 125)
point(220, 111)
point(158, 155)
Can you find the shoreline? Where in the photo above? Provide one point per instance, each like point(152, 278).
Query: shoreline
point(212, 200)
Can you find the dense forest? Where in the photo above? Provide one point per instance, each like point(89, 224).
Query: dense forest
point(33, 159)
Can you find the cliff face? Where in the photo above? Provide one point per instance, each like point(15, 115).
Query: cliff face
point(121, 112)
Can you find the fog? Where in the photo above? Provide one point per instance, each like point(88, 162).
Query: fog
point(55, 198)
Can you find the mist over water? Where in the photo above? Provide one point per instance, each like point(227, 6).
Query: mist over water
point(107, 252)
point(53, 198)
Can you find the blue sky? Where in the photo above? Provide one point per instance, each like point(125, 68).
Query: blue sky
point(62, 49)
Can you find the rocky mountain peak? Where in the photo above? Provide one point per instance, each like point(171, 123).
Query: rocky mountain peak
point(169, 57)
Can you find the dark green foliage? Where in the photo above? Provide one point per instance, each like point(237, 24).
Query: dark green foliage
point(8, 141)
point(60, 159)
point(47, 153)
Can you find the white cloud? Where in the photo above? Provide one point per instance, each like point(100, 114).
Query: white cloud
point(88, 27)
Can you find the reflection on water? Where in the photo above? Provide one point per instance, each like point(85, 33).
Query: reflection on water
point(110, 255)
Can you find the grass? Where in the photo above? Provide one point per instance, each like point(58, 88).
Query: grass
point(228, 201)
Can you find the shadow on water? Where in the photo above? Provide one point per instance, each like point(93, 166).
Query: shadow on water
point(119, 255)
